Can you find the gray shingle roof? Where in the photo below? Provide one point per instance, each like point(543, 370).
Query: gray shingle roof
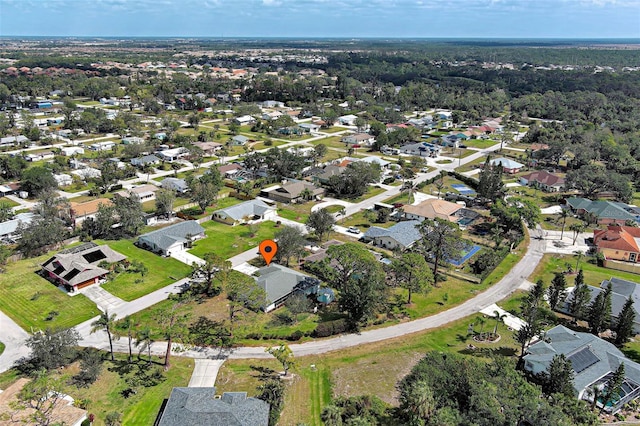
point(78, 267)
point(248, 208)
point(278, 281)
point(405, 233)
point(11, 226)
point(164, 238)
point(593, 356)
point(198, 407)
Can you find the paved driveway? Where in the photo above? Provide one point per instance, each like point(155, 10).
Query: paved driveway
point(205, 372)
point(105, 300)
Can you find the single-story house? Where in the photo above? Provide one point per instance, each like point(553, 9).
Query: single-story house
point(77, 267)
point(508, 165)
point(618, 243)
point(451, 141)
point(271, 104)
point(323, 175)
point(174, 238)
point(621, 290)
point(274, 115)
point(175, 184)
point(69, 151)
point(244, 120)
point(143, 193)
point(132, 140)
point(201, 406)
point(293, 192)
point(375, 160)
point(40, 156)
point(62, 412)
point(230, 170)
point(431, 209)
point(239, 140)
point(81, 211)
point(172, 154)
point(13, 140)
point(309, 127)
point(9, 228)
point(160, 136)
point(421, 149)
point(544, 180)
point(280, 282)
point(63, 179)
point(102, 146)
point(594, 361)
point(347, 120)
point(402, 235)
point(364, 139)
point(87, 173)
point(208, 148)
point(146, 160)
point(605, 212)
point(251, 210)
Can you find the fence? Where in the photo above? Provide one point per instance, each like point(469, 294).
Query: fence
point(634, 268)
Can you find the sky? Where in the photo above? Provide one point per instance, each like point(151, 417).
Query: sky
point(323, 18)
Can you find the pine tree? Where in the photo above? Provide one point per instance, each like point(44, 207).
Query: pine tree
point(580, 299)
point(595, 316)
point(556, 291)
point(559, 377)
point(624, 325)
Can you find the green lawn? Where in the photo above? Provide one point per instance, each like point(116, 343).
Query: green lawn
point(331, 142)
point(8, 202)
point(28, 298)
point(162, 271)
point(228, 241)
point(471, 165)
point(479, 143)
point(333, 130)
point(1, 348)
point(593, 274)
point(372, 191)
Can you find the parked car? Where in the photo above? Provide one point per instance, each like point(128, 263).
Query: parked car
point(353, 230)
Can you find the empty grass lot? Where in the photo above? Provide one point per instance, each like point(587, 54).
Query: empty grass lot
point(228, 241)
point(162, 271)
point(7, 202)
point(479, 143)
point(28, 298)
point(593, 274)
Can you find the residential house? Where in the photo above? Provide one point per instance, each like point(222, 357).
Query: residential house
point(87, 173)
point(402, 235)
point(102, 146)
point(293, 192)
point(39, 156)
point(10, 229)
point(544, 180)
point(451, 141)
point(621, 290)
point(172, 154)
point(178, 185)
point(208, 148)
point(9, 189)
point(252, 210)
point(362, 139)
point(280, 282)
point(348, 120)
point(508, 165)
point(618, 243)
point(309, 127)
point(604, 212)
point(239, 140)
point(421, 149)
point(69, 151)
point(193, 406)
point(159, 136)
point(322, 176)
point(63, 179)
point(81, 211)
point(132, 140)
point(272, 104)
point(228, 171)
point(431, 209)
point(147, 160)
point(244, 120)
point(63, 410)
point(13, 141)
point(143, 193)
point(269, 116)
point(593, 360)
point(375, 160)
point(172, 239)
point(77, 267)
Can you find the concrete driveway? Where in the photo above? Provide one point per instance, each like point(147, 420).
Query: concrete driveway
point(101, 297)
point(205, 372)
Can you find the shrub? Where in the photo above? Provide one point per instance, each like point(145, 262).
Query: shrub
point(331, 328)
point(295, 336)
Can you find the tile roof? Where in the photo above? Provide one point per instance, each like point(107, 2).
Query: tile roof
point(198, 407)
point(433, 208)
point(625, 238)
point(544, 177)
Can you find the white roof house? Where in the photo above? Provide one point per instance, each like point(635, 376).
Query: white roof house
point(347, 120)
point(68, 151)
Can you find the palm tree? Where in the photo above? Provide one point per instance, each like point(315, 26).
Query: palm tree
point(306, 194)
point(579, 254)
point(577, 228)
point(144, 339)
point(563, 214)
point(482, 321)
point(105, 322)
point(410, 188)
point(418, 400)
point(125, 325)
point(499, 318)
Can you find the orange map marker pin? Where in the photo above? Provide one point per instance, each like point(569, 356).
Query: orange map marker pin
point(268, 249)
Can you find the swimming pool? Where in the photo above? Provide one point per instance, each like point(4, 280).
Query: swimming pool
point(466, 254)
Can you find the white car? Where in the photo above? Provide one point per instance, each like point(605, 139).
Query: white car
point(353, 230)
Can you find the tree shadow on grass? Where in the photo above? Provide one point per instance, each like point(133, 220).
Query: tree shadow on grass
point(263, 373)
point(503, 351)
